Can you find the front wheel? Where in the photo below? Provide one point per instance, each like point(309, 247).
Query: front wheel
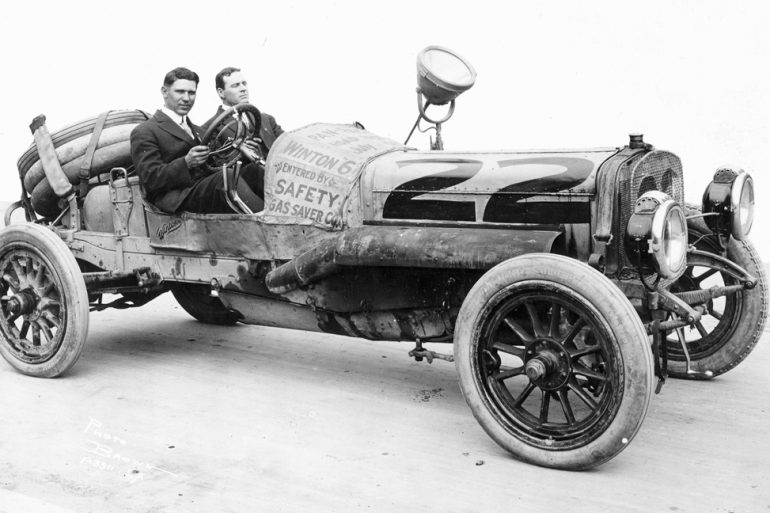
point(553, 361)
point(43, 302)
point(732, 324)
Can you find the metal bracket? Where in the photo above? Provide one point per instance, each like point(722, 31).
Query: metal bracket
point(667, 300)
point(446, 301)
point(722, 264)
point(419, 352)
point(235, 202)
point(122, 201)
point(143, 279)
point(74, 212)
point(702, 296)
point(596, 260)
point(660, 354)
point(690, 372)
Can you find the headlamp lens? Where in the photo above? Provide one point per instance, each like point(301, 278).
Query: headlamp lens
point(746, 208)
point(675, 241)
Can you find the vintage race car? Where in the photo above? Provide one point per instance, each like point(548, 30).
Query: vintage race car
point(567, 280)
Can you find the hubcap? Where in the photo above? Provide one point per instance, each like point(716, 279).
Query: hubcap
point(536, 369)
point(547, 364)
point(23, 303)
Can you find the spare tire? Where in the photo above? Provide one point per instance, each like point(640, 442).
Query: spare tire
point(44, 199)
point(71, 143)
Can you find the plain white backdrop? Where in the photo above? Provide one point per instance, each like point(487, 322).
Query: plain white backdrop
point(693, 76)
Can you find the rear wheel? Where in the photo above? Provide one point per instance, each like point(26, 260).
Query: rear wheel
point(43, 302)
point(733, 324)
point(553, 361)
point(197, 301)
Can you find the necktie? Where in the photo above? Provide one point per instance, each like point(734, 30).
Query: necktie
point(186, 127)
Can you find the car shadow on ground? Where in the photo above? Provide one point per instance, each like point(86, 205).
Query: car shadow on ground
point(160, 343)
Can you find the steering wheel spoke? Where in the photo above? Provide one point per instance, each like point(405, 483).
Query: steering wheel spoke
point(228, 132)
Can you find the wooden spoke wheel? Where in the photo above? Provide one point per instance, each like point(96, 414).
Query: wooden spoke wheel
point(43, 302)
point(553, 361)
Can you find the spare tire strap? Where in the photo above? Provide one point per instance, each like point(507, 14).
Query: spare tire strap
point(88, 158)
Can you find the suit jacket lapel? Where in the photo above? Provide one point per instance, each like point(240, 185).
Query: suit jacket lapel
point(168, 125)
point(266, 133)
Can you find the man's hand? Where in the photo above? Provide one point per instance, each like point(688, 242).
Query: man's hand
point(252, 150)
point(253, 144)
point(196, 156)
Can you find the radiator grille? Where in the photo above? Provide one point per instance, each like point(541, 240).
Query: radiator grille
point(656, 170)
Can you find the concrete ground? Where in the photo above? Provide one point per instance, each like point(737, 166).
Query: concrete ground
point(164, 414)
point(167, 415)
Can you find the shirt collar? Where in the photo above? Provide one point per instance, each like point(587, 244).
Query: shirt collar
point(173, 115)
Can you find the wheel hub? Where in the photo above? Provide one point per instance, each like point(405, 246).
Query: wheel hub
point(547, 364)
point(23, 303)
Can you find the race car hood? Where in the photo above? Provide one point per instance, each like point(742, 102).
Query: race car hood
point(328, 175)
point(531, 187)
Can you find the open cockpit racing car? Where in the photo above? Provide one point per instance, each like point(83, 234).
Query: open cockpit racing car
point(568, 281)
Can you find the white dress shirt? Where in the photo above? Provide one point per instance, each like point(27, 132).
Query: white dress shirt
point(179, 120)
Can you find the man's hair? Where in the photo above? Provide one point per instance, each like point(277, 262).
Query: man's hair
point(180, 74)
point(219, 80)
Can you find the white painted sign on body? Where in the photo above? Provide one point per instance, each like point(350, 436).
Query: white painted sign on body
point(311, 171)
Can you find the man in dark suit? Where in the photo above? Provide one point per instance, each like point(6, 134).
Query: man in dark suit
point(233, 89)
point(167, 155)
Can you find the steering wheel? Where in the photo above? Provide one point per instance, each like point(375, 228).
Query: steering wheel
point(227, 134)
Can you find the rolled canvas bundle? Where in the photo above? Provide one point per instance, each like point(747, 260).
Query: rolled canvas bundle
point(111, 149)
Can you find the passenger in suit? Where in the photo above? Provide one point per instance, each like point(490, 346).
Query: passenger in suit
point(168, 156)
point(233, 89)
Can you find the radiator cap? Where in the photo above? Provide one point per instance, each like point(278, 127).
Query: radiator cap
point(636, 141)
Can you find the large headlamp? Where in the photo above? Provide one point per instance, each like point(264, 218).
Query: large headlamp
point(656, 235)
point(442, 76)
point(728, 203)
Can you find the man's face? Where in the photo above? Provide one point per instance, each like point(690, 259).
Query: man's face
point(180, 96)
point(236, 89)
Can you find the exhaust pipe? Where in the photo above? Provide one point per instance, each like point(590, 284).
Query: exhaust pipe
point(398, 246)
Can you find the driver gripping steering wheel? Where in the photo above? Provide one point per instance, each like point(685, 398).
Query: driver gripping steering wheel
point(176, 169)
